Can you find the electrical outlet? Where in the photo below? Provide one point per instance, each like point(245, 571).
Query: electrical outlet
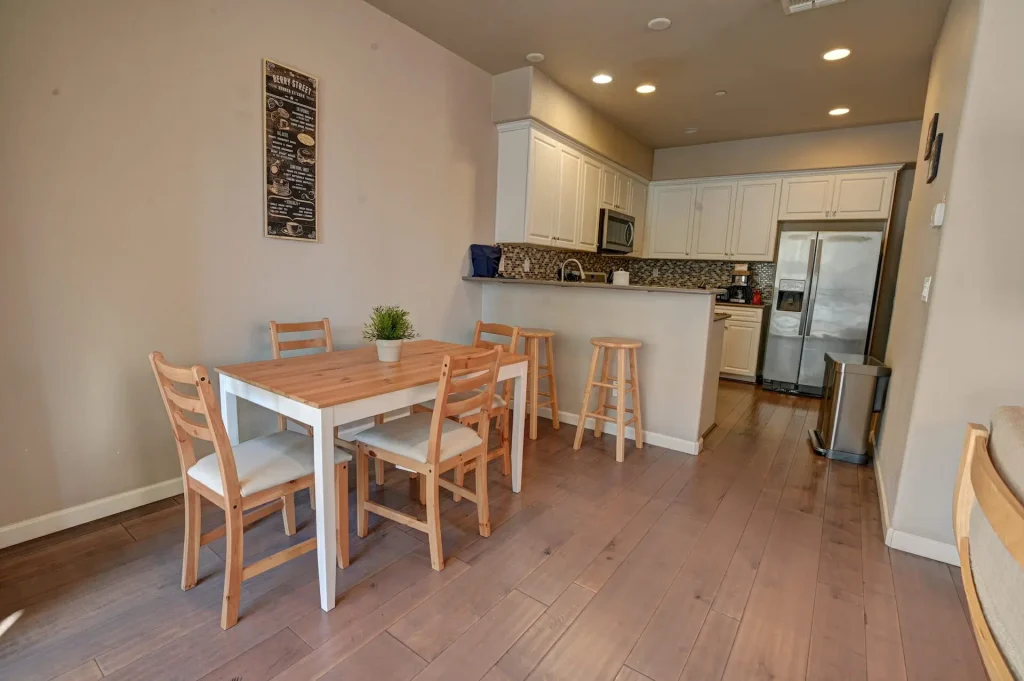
point(615, 393)
point(926, 289)
point(526, 265)
point(655, 273)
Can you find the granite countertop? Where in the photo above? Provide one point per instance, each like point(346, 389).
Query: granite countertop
point(584, 284)
point(719, 316)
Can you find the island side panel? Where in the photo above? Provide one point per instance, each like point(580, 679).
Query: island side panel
point(675, 329)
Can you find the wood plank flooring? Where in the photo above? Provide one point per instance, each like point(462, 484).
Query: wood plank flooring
point(755, 561)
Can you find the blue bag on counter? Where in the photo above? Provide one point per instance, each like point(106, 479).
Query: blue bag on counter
point(485, 260)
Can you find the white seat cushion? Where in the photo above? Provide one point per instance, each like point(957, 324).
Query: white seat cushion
point(496, 402)
point(264, 462)
point(408, 437)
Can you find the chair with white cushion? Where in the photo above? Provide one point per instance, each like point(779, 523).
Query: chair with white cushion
point(255, 476)
point(431, 443)
point(500, 409)
point(988, 521)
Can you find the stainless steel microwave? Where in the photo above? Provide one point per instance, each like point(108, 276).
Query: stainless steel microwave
point(615, 232)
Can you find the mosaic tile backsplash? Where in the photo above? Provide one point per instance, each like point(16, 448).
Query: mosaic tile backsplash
point(545, 263)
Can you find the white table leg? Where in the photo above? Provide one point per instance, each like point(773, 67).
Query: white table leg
point(518, 426)
point(229, 412)
point(326, 504)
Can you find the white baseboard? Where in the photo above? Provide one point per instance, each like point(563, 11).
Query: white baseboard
point(922, 546)
point(666, 441)
point(84, 513)
point(911, 543)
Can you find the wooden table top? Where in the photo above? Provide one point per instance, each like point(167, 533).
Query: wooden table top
point(328, 379)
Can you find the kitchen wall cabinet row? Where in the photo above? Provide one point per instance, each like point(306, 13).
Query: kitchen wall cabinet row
point(737, 218)
point(551, 190)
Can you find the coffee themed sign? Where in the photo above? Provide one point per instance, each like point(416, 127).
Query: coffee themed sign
point(290, 139)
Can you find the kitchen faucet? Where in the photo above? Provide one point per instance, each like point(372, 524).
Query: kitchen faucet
point(577, 265)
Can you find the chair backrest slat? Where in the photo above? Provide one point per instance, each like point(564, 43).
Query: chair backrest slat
point(279, 346)
point(483, 371)
point(502, 331)
point(204, 404)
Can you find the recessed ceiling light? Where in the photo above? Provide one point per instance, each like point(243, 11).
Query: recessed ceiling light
point(721, 93)
point(602, 79)
point(836, 54)
point(690, 131)
point(659, 24)
point(535, 57)
point(841, 111)
point(646, 89)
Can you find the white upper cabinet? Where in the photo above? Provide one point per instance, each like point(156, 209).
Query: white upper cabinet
point(712, 220)
point(638, 209)
point(862, 196)
point(670, 219)
point(838, 196)
point(545, 181)
point(756, 221)
point(567, 223)
point(551, 191)
point(731, 219)
point(590, 203)
point(806, 197)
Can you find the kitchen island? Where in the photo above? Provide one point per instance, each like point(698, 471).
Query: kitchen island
point(678, 362)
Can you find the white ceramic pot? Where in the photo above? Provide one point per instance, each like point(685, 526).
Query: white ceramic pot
point(389, 350)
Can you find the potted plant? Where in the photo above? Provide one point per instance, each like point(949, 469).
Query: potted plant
point(389, 325)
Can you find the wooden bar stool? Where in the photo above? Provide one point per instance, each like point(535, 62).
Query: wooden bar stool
point(620, 346)
point(538, 372)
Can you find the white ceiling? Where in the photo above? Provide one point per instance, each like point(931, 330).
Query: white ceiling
point(769, 63)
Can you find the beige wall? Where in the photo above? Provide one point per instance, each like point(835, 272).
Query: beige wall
point(132, 190)
point(947, 91)
point(529, 93)
point(869, 145)
point(972, 352)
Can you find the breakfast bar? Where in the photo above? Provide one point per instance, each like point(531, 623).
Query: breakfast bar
point(679, 361)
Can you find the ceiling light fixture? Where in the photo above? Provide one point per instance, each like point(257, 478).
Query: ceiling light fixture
point(535, 57)
point(836, 54)
point(690, 131)
point(721, 93)
point(646, 89)
point(602, 79)
point(659, 24)
point(841, 111)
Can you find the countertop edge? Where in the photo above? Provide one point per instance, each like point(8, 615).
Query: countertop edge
point(584, 284)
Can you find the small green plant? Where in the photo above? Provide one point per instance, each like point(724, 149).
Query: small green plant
point(388, 322)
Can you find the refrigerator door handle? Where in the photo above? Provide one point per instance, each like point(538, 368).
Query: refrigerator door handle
point(811, 263)
point(806, 331)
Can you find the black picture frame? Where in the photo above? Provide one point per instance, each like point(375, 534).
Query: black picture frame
point(933, 129)
point(936, 155)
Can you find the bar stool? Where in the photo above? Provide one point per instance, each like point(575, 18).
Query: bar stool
point(620, 346)
point(533, 338)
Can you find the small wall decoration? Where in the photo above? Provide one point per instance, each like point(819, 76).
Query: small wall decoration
point(936, 155)
point(289, 153)
point(933, 129)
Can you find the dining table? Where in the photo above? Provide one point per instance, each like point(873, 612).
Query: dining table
point(348, 388)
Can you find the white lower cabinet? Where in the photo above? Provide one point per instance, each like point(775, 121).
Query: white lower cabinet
point(741, 345)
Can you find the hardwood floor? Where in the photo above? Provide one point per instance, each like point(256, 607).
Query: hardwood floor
point(755, 561)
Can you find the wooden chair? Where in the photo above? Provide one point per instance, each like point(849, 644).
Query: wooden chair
point(988, 521)
point(500, 405)
point(259, 476)
point(325, 341)
point(430, 444)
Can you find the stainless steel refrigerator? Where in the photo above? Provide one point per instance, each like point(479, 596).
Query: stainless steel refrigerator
point(825, 283)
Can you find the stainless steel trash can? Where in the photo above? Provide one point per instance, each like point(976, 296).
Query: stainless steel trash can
point(854, 389)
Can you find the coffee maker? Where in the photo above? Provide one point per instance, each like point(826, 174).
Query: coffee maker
point(740, 290)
